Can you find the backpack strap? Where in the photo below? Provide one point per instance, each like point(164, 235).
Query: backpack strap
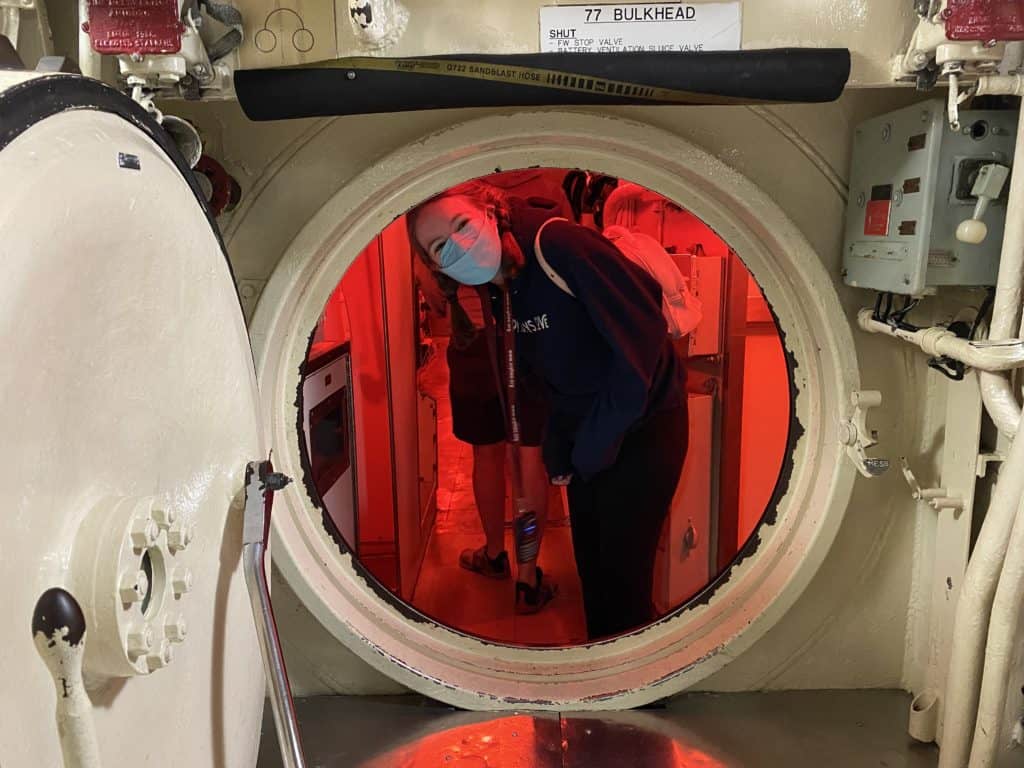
point(553, 276)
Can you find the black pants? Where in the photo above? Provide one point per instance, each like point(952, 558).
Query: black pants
point(617, 518)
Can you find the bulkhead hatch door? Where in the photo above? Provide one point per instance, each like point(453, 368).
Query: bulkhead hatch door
point(130, 411)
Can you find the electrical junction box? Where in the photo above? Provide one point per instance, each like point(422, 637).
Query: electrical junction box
point(911, 178)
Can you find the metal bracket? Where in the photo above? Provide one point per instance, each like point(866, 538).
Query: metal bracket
point(937, 498)
point(856, 436)
point(984, 459)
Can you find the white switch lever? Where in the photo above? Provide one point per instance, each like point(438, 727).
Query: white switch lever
point(987, 187)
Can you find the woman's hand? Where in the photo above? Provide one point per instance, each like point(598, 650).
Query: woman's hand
point(561, 479)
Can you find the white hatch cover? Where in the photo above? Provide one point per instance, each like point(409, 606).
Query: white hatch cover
point(130, 410)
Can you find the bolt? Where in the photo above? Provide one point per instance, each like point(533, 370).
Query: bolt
point(175, 629)
point(350, 75)
point(133, 587)
point(139, 641)
point(886, 132)
point(165, 518)
point(136, 57)
point(198, 70)
point(920, 58)
point(861, 200)
point(143, 532)
point(161, 656)
point(180, 536)
point(181, 581)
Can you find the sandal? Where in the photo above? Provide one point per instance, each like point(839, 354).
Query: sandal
point(531, 599)
point(476, 560)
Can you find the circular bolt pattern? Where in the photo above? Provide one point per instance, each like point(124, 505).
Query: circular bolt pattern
point(139, 642)
point(161, 656)
point(133, 586)
point(143, 533)
point(175, 629)
point(181, 581)
point(165, 518)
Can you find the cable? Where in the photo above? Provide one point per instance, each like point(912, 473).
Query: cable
point(983, 311)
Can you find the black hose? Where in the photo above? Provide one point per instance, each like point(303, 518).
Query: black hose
point(366, 85)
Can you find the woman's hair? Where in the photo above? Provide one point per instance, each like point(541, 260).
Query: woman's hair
point(486, 196)
point(480, 192)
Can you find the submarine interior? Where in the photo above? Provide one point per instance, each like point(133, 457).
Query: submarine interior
point(406, 383)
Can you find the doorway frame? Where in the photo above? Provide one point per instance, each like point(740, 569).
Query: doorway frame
point(744, 602)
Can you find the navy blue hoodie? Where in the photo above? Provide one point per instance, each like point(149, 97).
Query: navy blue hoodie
point(604, 356)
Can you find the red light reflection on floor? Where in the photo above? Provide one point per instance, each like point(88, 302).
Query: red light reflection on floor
point(508, 742)
point(525, 741)
point(688, 757)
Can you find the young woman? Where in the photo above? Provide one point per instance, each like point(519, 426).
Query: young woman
point(617, 430)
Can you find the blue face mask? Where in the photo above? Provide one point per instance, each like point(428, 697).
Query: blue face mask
point(472, 255)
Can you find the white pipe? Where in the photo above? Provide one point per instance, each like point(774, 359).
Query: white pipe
point(1002, 406)
point(974, 607)
point(973, 610)
point(1001, 85)
point(996, 391)
point(1003, 355)
point(1002, 628)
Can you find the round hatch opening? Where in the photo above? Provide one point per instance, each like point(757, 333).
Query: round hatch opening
point(690, 639)
point(404, 433)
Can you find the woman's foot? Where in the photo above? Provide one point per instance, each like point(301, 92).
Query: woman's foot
point(476, 560)
point(531, 598)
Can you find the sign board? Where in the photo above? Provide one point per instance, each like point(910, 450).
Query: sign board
point(657, 27)
point(147, 26)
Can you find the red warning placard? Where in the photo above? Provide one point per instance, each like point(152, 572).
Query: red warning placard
point(985, 20)
point(134, 26)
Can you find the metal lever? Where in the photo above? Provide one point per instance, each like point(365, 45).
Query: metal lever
point(58, 628)
point(855, 435)
point(260, 483)
point(937, 498)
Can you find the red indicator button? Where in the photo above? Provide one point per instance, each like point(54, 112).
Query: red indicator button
point(876, 219)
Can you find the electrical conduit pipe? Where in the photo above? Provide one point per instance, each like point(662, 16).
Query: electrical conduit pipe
point(1006, 612)
point(1002, 355)
point(974, 608)
point(996, 390)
